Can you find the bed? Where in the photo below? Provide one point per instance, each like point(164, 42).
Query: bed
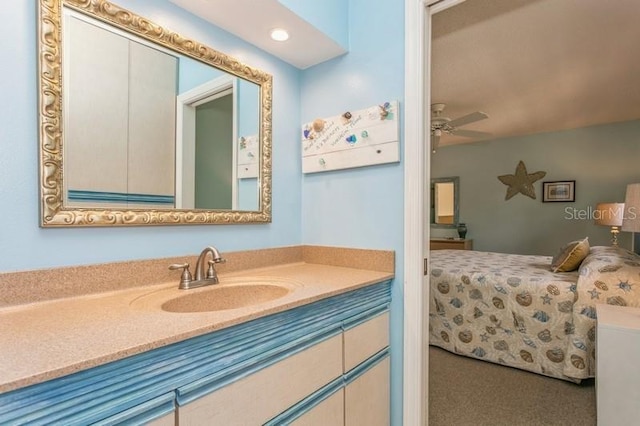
point(513, 310)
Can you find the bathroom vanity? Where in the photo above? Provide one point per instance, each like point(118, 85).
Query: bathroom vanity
point(299, 336)
point(316, 354)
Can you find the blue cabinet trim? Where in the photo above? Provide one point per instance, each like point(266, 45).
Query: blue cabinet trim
point(363, 317)
point(308, 403)
point(359, 370)
point(143, 413)
point(206, 385)
point(192, 367)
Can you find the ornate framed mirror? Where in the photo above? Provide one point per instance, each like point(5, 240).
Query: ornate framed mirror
point(141, 126)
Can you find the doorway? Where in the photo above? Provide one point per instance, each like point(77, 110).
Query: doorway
point(214, 154)
point(206, 148)
point(418, 13)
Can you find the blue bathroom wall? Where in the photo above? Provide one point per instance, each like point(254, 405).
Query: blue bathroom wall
point(192, 73)
point(361, 207)
point(329, 16)
point(24, 245)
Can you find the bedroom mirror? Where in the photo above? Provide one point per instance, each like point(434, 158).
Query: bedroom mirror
point(445, 194)
point(141, 126)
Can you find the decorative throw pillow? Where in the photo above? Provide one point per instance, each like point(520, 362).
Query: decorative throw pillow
point(570, 256)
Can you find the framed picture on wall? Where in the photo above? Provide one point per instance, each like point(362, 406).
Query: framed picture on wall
point(559, 191)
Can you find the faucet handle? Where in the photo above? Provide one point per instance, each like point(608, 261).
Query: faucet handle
point(211, 271)
point(186, 277)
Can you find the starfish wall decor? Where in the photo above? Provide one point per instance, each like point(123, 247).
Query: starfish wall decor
point(521, 182)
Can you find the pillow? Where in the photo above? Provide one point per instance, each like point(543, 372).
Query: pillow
point(570, 256)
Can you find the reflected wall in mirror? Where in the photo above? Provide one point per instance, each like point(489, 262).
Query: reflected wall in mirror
point(445, 206)
point(151, 128)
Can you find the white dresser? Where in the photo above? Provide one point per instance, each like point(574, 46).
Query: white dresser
point(618, 365)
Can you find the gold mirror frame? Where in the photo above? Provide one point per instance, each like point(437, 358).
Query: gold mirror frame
point(52, 209)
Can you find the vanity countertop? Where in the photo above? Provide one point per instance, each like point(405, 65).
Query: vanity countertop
point(45, 340)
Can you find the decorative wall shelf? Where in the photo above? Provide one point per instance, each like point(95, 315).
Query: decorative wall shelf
point(354, 139)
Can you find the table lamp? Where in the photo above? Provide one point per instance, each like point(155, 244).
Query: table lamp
point(610, 214)
point(631, 219)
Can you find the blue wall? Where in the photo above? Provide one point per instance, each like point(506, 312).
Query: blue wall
point(354, 208)
point(24, 245)
point(601, 159)
point(361, 207)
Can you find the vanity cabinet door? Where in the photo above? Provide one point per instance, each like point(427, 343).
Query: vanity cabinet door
point(364, 340)
point(258, 397)
point(329, 412)
point(367, 374)
point(367, 398)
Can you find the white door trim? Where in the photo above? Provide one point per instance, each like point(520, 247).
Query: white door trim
point(415, 391)
point(417, 149)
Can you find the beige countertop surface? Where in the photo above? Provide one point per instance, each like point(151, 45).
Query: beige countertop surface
point(45, 340)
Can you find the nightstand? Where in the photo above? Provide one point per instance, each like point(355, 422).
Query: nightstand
point(618, 365)
point(450, 244)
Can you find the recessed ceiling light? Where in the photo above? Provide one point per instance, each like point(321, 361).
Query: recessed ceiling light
point(279, 34)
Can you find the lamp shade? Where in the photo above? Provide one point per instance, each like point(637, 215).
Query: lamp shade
point(631, 220)
point(609, 214)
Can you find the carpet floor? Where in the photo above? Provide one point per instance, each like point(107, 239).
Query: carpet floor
point(466, 391)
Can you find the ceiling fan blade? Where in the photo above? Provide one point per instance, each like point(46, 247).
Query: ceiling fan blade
point(470, 133)
point(469, 118)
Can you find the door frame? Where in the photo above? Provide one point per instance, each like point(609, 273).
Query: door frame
point(417, 149)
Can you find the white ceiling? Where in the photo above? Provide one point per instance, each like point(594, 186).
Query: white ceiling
point(532, 65)
point(253, 20)
point(537, 65)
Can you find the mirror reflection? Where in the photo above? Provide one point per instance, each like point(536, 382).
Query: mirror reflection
point(152, 128)
point(445, 195)
point(161, 129)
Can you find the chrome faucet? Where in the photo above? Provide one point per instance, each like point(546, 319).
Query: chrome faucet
point(211, 276)
point(211, 271)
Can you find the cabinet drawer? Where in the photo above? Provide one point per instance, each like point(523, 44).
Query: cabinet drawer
point(367, 398)
point(329, 412)
point(260, 396)
point(364, 340)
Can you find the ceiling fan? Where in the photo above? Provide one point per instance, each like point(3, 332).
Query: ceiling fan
point(444, 125)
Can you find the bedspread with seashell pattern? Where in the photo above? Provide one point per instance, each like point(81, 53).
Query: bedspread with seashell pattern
point(505, 308)
point(511, 309)
point(608, 275)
